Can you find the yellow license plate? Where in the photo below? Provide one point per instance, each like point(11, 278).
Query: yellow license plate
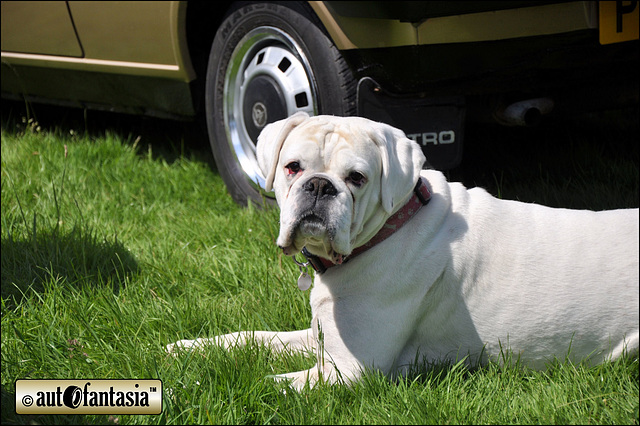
point(618, 21)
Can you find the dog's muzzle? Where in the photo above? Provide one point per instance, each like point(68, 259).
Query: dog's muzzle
point(315, 200)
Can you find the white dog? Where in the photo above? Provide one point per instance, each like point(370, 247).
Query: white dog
point(413, 268)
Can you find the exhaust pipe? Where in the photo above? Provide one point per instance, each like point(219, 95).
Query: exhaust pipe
point(524, 113)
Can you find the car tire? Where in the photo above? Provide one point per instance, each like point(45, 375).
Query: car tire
point(267, 62)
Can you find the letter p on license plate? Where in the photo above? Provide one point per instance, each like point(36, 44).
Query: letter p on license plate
point(618, 21)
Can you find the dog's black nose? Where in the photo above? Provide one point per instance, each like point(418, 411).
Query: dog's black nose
point(320, 187)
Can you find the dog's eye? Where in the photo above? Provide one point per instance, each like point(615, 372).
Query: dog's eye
point(293, 168)
point(356, 178)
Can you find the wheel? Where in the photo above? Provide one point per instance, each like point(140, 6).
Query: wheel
point(267, 62)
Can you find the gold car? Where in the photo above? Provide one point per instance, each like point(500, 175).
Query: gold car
point(426, 67)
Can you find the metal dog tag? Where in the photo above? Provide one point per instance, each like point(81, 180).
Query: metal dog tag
point(304, 281)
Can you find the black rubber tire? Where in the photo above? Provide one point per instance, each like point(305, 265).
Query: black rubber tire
point(288, 29)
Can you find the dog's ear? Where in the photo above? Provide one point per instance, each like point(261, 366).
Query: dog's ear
point(402, 161)
point(270, 143)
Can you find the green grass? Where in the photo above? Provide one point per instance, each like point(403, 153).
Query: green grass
point(126, 240)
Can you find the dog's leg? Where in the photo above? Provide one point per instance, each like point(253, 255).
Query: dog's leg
point(301, 340)
point(324, 371)
point(299, 379)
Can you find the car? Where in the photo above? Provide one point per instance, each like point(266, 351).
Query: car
point(425, 67)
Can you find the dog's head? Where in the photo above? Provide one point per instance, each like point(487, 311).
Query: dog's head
point(336, 179)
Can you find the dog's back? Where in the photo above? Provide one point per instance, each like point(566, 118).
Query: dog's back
point(544, 282)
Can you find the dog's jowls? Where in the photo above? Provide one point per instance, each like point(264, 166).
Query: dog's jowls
point(468, 276)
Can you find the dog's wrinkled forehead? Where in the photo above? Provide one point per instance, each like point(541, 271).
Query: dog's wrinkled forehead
point(324, 138)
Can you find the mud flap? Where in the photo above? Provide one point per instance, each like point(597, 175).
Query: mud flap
point(437, 124)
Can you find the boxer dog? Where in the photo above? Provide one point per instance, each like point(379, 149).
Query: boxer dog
point(412, 268)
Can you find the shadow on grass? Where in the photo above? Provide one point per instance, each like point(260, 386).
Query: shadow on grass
point(77, 257)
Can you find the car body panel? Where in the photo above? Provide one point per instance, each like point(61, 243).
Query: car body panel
point(353, 32)
point(146, 32)
point(134, 56)
point(143, 38)
point(41, 27)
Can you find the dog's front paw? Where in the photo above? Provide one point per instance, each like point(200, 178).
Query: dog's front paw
point(299, 380)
